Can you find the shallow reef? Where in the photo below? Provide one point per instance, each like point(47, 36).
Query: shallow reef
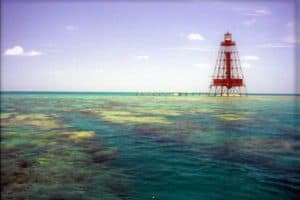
point(151, 119)
point(71, 146)
point(128, 116)
point(43, 159)
point(232, 117)
point(39, 120)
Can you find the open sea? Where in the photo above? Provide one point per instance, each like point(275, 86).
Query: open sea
point(113, 146)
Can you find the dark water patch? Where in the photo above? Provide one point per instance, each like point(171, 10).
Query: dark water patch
point(290, 132)
point(104, 155)
point(291, 187)
point(25, 163)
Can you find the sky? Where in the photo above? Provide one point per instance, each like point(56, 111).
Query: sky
point(144, 46)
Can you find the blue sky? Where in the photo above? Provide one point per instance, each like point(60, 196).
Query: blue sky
point(145, 46)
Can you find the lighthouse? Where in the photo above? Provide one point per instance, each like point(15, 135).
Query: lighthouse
point(227, 79)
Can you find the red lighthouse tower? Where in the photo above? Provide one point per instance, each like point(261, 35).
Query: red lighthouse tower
point(228, 79)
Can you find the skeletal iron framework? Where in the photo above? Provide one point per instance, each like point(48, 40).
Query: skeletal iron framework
point(227, 79)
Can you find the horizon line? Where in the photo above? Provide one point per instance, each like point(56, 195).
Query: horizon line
point(53, 91)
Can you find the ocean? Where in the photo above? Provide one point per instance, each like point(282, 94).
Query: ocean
point(121, 146)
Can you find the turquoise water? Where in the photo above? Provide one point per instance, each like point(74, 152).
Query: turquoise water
point(121, 146)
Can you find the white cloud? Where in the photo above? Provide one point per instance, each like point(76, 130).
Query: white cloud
point(251, 58)
point(245, 65)
point(14, 51)
point(246, 61)
point(249, 22)
point(71, 28)
point(19, 51)
point(195, 36)
point(259, 12)
point(143, 57)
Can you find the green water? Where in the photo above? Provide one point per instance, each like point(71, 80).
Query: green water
point(121, 146)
